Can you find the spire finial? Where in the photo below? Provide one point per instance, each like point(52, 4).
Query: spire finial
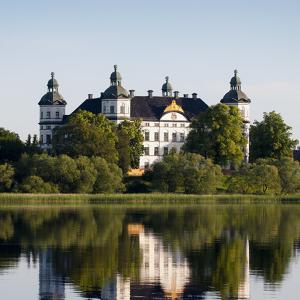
point(52, 75)
point(235, 72)
point(167, 78)
point(115, 67)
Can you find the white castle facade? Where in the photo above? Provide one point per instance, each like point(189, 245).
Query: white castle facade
point(165, 119)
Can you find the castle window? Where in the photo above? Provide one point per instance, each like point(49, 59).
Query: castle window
point(156, 136)
point(174, 137)
point(182, 125)
point(147, 124)
point(181, 137)
point(166, 150)
point(166, 136)
point(146, 150)
point(166, 125)
point(48, 115)
point(156, 151)
point(48, 139)
point(42, 115)
point(112, 109)
point(48, 127)
point(147, 135)
point(57, 115)
point(123, 108)
point(156, 124)
point(174, 124)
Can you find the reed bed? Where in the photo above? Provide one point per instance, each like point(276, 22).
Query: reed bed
point(153, 198)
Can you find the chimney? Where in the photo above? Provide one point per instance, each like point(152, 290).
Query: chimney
point(150, 93)
point(90, 96)
point(185, 95)
point(194, 96)
point(131, 93)
point(176, 93)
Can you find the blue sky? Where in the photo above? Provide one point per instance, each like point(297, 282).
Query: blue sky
point(197, 43)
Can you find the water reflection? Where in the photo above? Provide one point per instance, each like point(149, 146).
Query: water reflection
point(165, 253)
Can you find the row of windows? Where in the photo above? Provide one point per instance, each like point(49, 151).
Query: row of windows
point(111, 109)
point(175, 138)
point(45, 127)
point(45, 139)
point(165, 125)
point(48, 115)
point(165, 151)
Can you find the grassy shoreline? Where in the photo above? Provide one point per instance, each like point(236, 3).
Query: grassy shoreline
point(155, 198)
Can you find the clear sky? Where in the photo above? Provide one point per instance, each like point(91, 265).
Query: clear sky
point(197, 43)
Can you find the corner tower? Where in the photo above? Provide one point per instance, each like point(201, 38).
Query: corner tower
point(236, 97)
point(115, 99)
point(52, 109)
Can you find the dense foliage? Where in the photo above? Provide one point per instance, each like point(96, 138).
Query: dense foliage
point(218, 134)
point(94, 135)
point(11, 147)
point(46, 174)
point(271, 138)
point(266, 176)
point(186, 172)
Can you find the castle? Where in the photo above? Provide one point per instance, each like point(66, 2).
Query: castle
point(165, 119)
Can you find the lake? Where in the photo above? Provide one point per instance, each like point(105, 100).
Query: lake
point(209, 251)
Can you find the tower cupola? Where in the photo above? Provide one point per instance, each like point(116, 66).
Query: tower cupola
point(52, 83)
point(115, 77)
point(167, 88)
point(235, 82)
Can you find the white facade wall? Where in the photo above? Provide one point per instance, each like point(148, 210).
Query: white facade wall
point(50, 117)
point(121, 108)
point(171, 130)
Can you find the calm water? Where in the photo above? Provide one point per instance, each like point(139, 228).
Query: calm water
point(201, 252)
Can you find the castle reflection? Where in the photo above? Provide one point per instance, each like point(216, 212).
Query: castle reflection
point(151, 254)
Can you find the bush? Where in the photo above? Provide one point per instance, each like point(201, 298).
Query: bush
point(35, 184)
point(185, 172)
point(6, 177)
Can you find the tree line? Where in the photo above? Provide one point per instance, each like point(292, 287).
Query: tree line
point(91, 154)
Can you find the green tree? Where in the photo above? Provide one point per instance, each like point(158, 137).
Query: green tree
point(265, 177)
point(123, 148)
point(86, 134)
point(35, 184)
point(133, 130)
point(186, 172)
point(32, 145)
point(11, 147)
point(109, 177)
point(218, 134)
point(271, 137)
point(289, 174)
point(6, 177)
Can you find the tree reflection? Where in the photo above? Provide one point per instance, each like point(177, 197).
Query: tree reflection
point(90, 246)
